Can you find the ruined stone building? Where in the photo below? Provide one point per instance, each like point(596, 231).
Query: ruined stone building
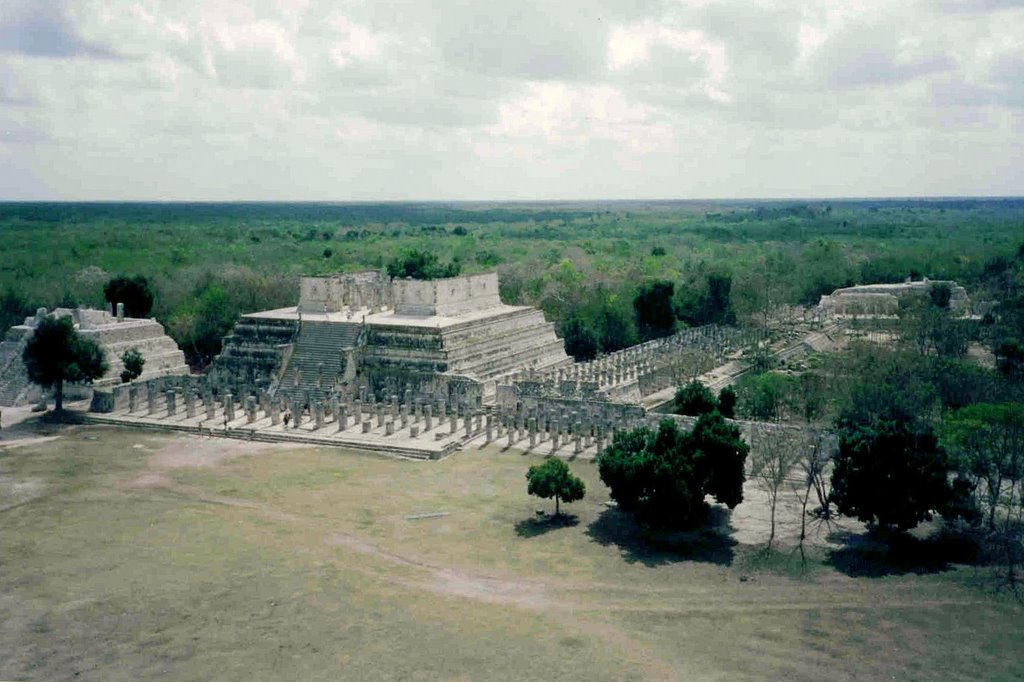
point(114, 333)
point(449, 338)
point(881, 300)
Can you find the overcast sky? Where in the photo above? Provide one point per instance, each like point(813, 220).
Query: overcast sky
point(515, 99)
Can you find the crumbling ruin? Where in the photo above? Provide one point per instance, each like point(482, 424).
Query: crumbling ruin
point(115, 333)
point(884, 300)
point(448, 338)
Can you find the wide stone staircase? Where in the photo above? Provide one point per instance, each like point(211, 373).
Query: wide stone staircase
point(252, 354)
point(14, 383)
point(318, 358)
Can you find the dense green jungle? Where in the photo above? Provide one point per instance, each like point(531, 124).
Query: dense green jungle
point(585, 264)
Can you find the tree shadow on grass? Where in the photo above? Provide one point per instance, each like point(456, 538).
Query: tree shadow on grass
point(863, 556)
point(710, 543)
point(532, 527)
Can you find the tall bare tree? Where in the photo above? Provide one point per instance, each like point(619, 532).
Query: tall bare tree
point(776, 451)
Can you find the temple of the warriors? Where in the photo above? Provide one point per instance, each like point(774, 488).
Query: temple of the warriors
point(115, 333)
point(882, 300)
point(413, 368)
point(447, 338)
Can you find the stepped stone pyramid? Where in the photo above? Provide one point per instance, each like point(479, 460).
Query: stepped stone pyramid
point(449, 338)
point(115, 334)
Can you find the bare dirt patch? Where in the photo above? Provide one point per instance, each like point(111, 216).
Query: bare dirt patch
point(192, 452)
point(199, 452)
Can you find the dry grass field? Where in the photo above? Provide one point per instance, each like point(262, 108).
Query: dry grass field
point(128, 555)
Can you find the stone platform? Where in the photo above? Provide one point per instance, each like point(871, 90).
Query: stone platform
point(399, 442)
point(450, 339)
point(115, 334)
point(411, 428)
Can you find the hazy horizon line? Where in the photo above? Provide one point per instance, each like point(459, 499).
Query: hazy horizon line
point(663, 200)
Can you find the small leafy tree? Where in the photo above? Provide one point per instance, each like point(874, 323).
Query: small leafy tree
point(617, 327)
point(14, 308)
point(134, 292)
point(727, 402)
point(422, 265)
point(891, 475)
point(57, 353)
point(133, 362)
point(663, 476)
point(1010, 358)
point(709, 302)
point(765, 397)
point(553, 479)
point(988, 440)
point(694, 399)
point(580, 341)
point(655, 314)
point(939, 295)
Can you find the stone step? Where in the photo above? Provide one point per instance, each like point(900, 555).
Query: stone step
point(318, 343)
point(306, 438)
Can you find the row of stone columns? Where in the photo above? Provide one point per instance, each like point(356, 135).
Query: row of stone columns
point(538, 425)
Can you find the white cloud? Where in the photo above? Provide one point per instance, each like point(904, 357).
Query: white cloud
point(355, 42)
point(336, 99)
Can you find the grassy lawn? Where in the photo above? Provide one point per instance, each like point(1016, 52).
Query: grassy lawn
point(138, 556)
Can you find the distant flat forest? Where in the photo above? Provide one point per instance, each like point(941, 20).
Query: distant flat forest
point(584, 263)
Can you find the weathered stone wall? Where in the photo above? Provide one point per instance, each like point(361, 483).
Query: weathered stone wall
point(885, 299)
point(369, 289)
point(449, 297)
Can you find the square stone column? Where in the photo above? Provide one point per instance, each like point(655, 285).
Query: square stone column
point(209, 406)
point(229, 407)
point(490, 427)
point(367, 425)
point(428, 418)
point(318, 414)
point(342, 418)
point(414, 431)
point(190, 403)
point(532, 428)
point(250, 409)
point(133, 398)
point(454, 424)
point(403, 415)
point(389, 428)
point(275, 412)
point(172, 406)
point(296, 414)
point(380, 415)
point(150, 399)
